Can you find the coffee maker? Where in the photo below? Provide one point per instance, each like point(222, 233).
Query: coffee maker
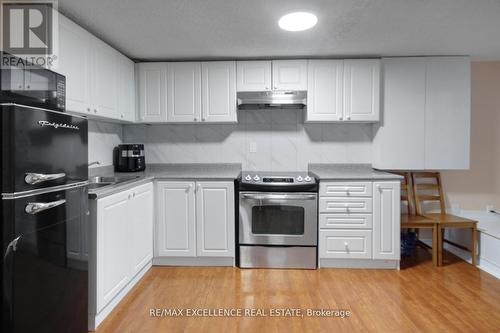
point(129, 157)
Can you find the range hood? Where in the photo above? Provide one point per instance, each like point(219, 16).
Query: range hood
point(279, 99)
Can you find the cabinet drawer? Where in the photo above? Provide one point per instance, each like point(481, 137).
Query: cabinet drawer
point(345, 244)
point(345, 189)
point(345, 221)
point(345, 205)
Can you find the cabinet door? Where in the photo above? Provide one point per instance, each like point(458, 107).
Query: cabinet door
point(447, 113)
point(399, 142)
point(324, 90)
point(290, 74)
point(386, 220)
point(126, 88)
point(104, 80)
point(113, 255)
point(253, 75)
point(141, 227)
point(184, 92)
point(175, 228)
point(218, 91)
point(215, 219)
point(74, 63)
point(152, 92)
point(362, 89)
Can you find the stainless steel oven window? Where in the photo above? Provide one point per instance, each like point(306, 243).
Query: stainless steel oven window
point(271, 218)
point(278, 220)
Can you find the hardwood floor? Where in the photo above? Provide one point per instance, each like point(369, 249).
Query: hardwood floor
point(420, 298)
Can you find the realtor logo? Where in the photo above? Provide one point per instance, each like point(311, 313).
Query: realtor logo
point(27, 27)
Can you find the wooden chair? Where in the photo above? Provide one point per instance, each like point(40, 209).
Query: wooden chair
point(443, 220)
point(413, 221)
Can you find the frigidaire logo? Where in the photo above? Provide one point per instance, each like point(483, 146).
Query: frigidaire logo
point(57, 125)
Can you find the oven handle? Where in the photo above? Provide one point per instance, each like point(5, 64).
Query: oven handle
point(280, 196)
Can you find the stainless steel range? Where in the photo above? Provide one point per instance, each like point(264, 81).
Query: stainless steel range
point(278, 220)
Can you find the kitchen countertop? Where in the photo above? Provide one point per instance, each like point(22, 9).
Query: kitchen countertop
point(163, 171)
point(350, 172)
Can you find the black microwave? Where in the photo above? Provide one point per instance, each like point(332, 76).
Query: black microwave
point(26, 84)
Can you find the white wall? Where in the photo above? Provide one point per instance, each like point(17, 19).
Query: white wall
point(284, 142)
point(103, 137)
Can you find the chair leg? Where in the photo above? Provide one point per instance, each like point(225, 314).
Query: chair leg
point(440, 232)
point(435, 245)
point(474, 246)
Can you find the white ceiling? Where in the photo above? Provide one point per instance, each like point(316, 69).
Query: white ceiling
point(206, 29)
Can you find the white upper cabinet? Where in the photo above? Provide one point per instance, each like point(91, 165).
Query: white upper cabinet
point(289, 74)
point(126, 88)
point(362, 89)
point(74, 63)
point(152, 92)
point(175, 228)
point(253, 76)
point(426, 123)
point(271, 75)
point(99, 80)
point(386, 220)
point(343, 90)
point(104, 79)
point(215, 219)
point(325, 90)
point(184, 92)
point(400, 137)
point(447, 113)
point(218, 91)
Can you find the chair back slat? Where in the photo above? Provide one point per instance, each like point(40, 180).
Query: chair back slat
point(407, 191)
point(421, 190)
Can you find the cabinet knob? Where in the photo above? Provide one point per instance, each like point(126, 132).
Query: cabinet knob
point(340, 118)
point(267, 88)
point(190, 187)
point(378, 187)
point(121, 115)
point(95, 110)
point(195, 119)
point(129, 196)
point(348, 118)
point(20, 86)
point(203, 119)
point(88, 109)
point(28, 86)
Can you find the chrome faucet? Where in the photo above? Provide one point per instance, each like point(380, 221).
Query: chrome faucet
point(94, 163)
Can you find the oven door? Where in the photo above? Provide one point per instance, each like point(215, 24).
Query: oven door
point(274, 218)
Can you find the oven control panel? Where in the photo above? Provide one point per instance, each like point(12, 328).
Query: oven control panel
point(278, 178)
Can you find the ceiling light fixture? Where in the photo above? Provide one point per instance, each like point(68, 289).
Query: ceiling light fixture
point(297, 21)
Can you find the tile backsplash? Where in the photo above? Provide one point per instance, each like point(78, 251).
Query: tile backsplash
point(281, 140)
point(103, 137)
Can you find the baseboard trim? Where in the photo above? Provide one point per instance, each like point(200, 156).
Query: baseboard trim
point(359, 263)
point(193, 261)
point(96, 319)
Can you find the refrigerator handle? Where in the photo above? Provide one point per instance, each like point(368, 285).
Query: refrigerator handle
point(11, 247)
point(35, 178)
point(37, 207)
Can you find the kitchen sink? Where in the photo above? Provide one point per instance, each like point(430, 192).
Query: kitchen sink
point(102, 181)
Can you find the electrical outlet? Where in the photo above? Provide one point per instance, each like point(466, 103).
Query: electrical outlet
point(252, 147)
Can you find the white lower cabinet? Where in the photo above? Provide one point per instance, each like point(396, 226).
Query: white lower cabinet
point(346, 244)
point(386, 220)
point(122, 226)
point(195, 219)
point(359, 224)
point(215, 219)
point(175, 228)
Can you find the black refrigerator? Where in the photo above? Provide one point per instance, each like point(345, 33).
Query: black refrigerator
point(43, 210)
